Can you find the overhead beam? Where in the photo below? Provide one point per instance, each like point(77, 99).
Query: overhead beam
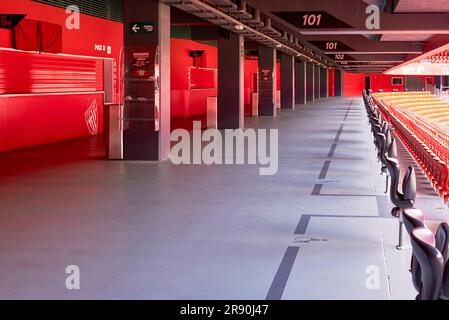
point(357, 43)
point(353, 13)
point(374, 61)
point(373, 58)
point(372, 52)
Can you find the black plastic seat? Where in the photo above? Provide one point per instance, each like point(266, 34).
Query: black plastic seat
point(409, 184)
point(406, 198)
point(385, 140)
point(413, 219)
point(442, 244)
point(381, 139)
point(430, 261)
point(401, 200)
point(392, 152)
point(393, 149)
point(442, 240)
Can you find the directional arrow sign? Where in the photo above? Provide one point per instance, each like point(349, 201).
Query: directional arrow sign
point(136, 28)
point(142, 27)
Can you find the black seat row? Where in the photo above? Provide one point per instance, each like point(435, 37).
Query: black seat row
point(387, 155)
point(429, 265)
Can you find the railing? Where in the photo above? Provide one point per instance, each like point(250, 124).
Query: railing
point(428, 142)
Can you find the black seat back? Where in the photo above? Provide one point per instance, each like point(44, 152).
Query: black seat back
point(442, 240)
point(413, 218)
point(393, 169)
point(409, 184)
point(442, 244)
point(430, 261)
point(393, 149)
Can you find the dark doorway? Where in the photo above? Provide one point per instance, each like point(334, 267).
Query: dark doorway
point(367, 82)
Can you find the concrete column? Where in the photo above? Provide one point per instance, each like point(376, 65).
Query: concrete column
point(230, 107)
point(300, 82)
point(287, 81)
point(324, 90)
point(267, 81)
point(317, 82)
point(310, 81)
point(438, 82)
point(339, 83)
point(146, 111)
point(444, 82)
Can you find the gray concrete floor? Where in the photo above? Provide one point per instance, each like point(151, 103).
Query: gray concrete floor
point(157, 231)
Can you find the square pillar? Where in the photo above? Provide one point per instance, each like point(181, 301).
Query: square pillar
point(310, 81)
point(230, 105)
point(444, 83)
point(287, 81)
point(146, 110)
point(438, 82)
point(317, 82)
point(267, 81)
point(300, 82)
point(339, 83)
point(324, 91)
point(331, 82)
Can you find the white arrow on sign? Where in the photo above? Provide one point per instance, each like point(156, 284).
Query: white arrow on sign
point(136, 28)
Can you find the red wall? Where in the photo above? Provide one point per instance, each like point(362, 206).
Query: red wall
point(5, 38)
point(186, 103)
point(354, 83)
point(48, 118)
point(382, 81)
point(29, 117)
point(251, 69)
point(26, 72)
point(278, 76)
point(81, 42)
point(331, 83)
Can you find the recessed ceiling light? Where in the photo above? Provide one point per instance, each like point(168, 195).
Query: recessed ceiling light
point(238, 27)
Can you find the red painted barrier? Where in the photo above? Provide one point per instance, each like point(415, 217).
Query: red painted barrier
point(25, 72)
point(48, 118)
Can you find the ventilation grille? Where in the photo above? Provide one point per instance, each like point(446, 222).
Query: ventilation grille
point(106, 9)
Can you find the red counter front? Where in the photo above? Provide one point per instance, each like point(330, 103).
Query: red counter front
point(26, 122)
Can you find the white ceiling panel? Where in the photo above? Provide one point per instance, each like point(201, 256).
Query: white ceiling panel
point(406, 37)
point(422, 6)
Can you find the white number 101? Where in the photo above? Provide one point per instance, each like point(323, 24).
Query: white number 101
point(311, 20)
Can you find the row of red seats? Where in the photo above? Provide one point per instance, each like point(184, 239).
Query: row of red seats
point(425, 133)
point(421, 145)
point(434, 129)
point(432, 134)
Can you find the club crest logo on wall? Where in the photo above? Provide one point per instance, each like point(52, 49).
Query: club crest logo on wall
point(91, 116)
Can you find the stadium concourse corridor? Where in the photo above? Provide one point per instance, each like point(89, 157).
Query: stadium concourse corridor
point(159, 231)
